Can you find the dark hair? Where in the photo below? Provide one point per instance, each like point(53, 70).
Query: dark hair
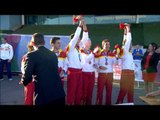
point(154, 45)
point(38, 39)
point(5, 38)
point(54, 39)
point(104, 41)
point(71, 36)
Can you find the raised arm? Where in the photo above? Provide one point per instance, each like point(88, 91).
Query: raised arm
point(75, 39)
point(127, 38)
point(85, 36)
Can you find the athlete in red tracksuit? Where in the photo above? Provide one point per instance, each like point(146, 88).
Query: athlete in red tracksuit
point(62, 58)
point(74, 77)
point(128, 67)
point(88, 72)
point(105, 60)
point(29, 89)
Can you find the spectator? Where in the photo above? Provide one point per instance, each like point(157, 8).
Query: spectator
point(158, 67)
point(149, 67)
point(137, 56)
point(137, 53)
point(6, 55)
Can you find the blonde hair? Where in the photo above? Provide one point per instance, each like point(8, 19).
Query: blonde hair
point(104, 42)
point(30, 47)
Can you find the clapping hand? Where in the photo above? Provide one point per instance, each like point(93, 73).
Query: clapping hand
point(137, 54)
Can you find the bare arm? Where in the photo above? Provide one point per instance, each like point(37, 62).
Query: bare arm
point(127, 38)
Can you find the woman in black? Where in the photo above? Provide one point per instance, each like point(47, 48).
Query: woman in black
point(149, 67)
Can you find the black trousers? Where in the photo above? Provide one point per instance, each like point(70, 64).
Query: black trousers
point(8, 66)
point(59, 102)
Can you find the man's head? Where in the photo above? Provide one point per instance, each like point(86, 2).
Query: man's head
point(88, 44)
point(79, 40)
point(106, 44)
point(37, 40)
point(137, 46)
point(55, 43)
point(4, 40)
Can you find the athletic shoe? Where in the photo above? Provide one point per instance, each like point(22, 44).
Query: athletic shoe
point(10, 79)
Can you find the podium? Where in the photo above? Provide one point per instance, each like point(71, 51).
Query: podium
point(150, 100)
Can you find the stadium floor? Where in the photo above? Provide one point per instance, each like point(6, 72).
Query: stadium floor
point(11, 93)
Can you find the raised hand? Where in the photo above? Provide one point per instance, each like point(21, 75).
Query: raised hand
point(96, 49)
point(77, 18)
point(125, 27)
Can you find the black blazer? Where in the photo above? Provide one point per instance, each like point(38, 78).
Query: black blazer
point(152, 64)
point(44, 64)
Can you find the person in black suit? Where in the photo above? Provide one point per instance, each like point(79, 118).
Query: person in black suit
point(43, 64)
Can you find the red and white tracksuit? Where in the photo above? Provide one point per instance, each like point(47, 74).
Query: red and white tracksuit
point(88, 75)
point(74, 77)
point(29, 89)
point(105, 77)
point(62, 63)
point(127, 76)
